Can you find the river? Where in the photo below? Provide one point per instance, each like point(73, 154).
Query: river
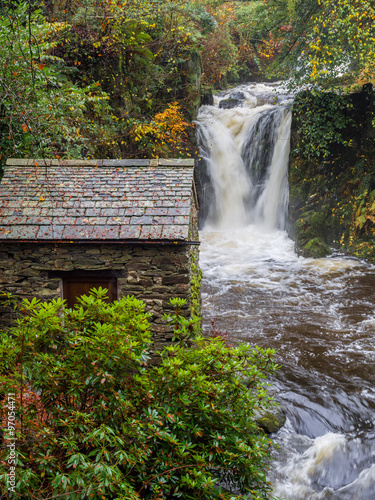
point(317, 313)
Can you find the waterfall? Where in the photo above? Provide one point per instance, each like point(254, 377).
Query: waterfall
point(245, 153)
point(318, 314)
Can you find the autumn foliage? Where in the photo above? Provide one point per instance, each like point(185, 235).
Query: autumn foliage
point(165, 134)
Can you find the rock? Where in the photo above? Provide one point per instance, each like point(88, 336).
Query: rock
point(240, 96)
point(271, 420)
point(230, 103)
point(316, 248)
point(207, 99)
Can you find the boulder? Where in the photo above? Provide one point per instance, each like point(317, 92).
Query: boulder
point(230, 103)
point(271, 420)
point(207, 99)
point(240, 96)
point(316, 248)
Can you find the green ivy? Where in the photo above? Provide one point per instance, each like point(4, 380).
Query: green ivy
point(321, 119)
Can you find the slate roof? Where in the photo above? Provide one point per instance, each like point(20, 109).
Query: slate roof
point(96, 200)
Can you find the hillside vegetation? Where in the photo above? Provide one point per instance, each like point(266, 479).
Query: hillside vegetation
point(124, 79)
point(116, 79)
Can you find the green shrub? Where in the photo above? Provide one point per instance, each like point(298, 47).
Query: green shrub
point(96, 420)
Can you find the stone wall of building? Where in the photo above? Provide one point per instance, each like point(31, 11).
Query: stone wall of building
point(153, 273)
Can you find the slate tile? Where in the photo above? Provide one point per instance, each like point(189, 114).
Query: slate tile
point(134, 193)
point(30, 203)
point(84, 204)
point(106, 232)
point(105, 212)
point(151, 232)
point(92, 212)
point(181, 219)
point(178, 211)
point(74, 212)
point(162, 220)
point(77, 232)
point(118, 220)
point(50, 232)
point(4, 231)
point(175, 232)
point(31, 221)
point(93, 221)
point(126, 163)
point(81, 221)
point(182, 202)
point(120, 204)
point(157, 211)
point(103, 204)
point(13, 204)
point(57, 212)
point(62, 221)
point(129, 232)
point(146, 219)
point(134, 212)
point(146, 202)
point(21, 232)
point(16, 220)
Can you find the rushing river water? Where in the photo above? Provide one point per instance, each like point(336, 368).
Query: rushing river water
point(318, 314)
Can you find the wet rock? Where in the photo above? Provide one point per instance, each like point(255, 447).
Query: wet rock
point(240, 96)
point(271, 420)
point(230, 103)
point(316, 248)
point(207, 99)
point(316, 232)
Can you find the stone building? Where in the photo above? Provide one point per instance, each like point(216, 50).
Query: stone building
point(126, 225)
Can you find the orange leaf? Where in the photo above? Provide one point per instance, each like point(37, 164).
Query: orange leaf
point(25, 128)
point(41, 66)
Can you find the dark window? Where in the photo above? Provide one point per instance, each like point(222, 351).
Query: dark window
point(80, 282)
point(76, 286)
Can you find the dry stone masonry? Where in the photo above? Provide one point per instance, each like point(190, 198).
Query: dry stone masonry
point(133, 222)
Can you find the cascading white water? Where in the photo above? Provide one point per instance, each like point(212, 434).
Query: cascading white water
point(318, 314)
point(272, 205)
point(249, 182)
point(231, 184)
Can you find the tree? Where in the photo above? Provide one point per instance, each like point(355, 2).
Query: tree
point(95, 420)
point(42, 113)
point(323, 42)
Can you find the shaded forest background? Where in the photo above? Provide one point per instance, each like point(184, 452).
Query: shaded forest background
point(118, 79)
point(124, 78)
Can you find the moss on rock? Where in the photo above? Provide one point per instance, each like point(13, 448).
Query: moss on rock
point(271, 421)
point(316, 248)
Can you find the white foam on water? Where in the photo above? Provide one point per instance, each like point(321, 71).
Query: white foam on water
point(260, 290)
point(300, 468)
